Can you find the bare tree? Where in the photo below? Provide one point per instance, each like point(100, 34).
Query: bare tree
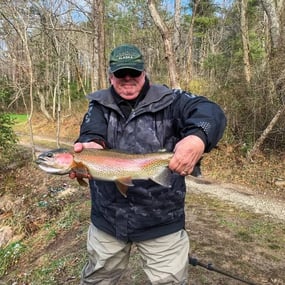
point(276, 64)
point(245, 39)
point(19, 22)
point(168, 46)
point(273, 14)
point(99, 41)
point(176, 30)
point(190, 40)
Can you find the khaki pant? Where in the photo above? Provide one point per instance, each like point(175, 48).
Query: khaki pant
point(165, 259)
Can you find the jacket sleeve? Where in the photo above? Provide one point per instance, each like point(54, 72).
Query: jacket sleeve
point(94, 125)
point(197, 115)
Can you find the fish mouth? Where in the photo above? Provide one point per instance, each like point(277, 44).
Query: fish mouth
point(51, 169)
point(43, 164)
point(40, 160)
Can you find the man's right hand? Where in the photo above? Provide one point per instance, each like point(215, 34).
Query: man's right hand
point(78, 147)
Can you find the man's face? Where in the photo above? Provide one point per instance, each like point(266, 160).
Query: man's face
point(128, 82)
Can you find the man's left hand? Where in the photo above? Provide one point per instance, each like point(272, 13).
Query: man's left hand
point(187, 152)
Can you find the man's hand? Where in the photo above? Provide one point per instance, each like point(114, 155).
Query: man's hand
point(187, 152)
point(78, 147)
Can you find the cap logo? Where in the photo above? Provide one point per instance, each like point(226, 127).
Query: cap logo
point(125, 56)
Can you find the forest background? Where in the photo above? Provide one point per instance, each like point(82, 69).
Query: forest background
point(53, 53)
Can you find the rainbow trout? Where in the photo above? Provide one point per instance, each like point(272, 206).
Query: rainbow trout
point(108, 165)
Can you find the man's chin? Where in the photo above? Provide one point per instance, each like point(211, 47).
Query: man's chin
point(129, 95)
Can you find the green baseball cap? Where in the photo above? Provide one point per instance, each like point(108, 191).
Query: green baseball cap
point(126, 56)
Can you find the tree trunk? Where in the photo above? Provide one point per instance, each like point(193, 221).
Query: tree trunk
point(265, 133)
point(190, 46)
point(176, 33)
point(271, 12)
point(43, 105)
point(168, 48)
point(98, 8)
point(19, 24)
point(276, 65)
point(245, 39)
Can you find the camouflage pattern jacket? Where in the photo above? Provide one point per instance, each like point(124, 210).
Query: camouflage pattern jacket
point(159, 121)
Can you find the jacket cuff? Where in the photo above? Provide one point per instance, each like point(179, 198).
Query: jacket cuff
point(100, 142)
point(200, 134)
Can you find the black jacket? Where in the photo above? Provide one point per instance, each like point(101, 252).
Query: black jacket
point(158, 121)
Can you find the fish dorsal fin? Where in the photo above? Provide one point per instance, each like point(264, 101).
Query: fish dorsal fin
point(163, 178)
point(123, 183)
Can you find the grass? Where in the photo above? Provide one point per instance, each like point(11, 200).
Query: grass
point(10, 256)
point(19, 118)
point(250, 227)
point(46, 274)
point(42, 247)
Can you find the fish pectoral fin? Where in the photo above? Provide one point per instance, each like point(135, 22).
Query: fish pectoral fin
point(127, 181)
point(81, 171)
point(163, 178)
point(123, 183)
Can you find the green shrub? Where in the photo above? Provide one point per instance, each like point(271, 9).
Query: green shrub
point(8, 138)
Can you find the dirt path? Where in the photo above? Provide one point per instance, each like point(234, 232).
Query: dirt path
point(240, 196)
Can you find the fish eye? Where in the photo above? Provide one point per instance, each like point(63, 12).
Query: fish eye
point(49, 154)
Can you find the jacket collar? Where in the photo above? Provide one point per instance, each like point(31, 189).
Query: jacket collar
point(156, 98)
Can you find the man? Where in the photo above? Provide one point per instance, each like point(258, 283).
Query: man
point(138, 117)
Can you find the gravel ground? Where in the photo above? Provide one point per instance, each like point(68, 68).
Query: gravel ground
point(239, 196)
